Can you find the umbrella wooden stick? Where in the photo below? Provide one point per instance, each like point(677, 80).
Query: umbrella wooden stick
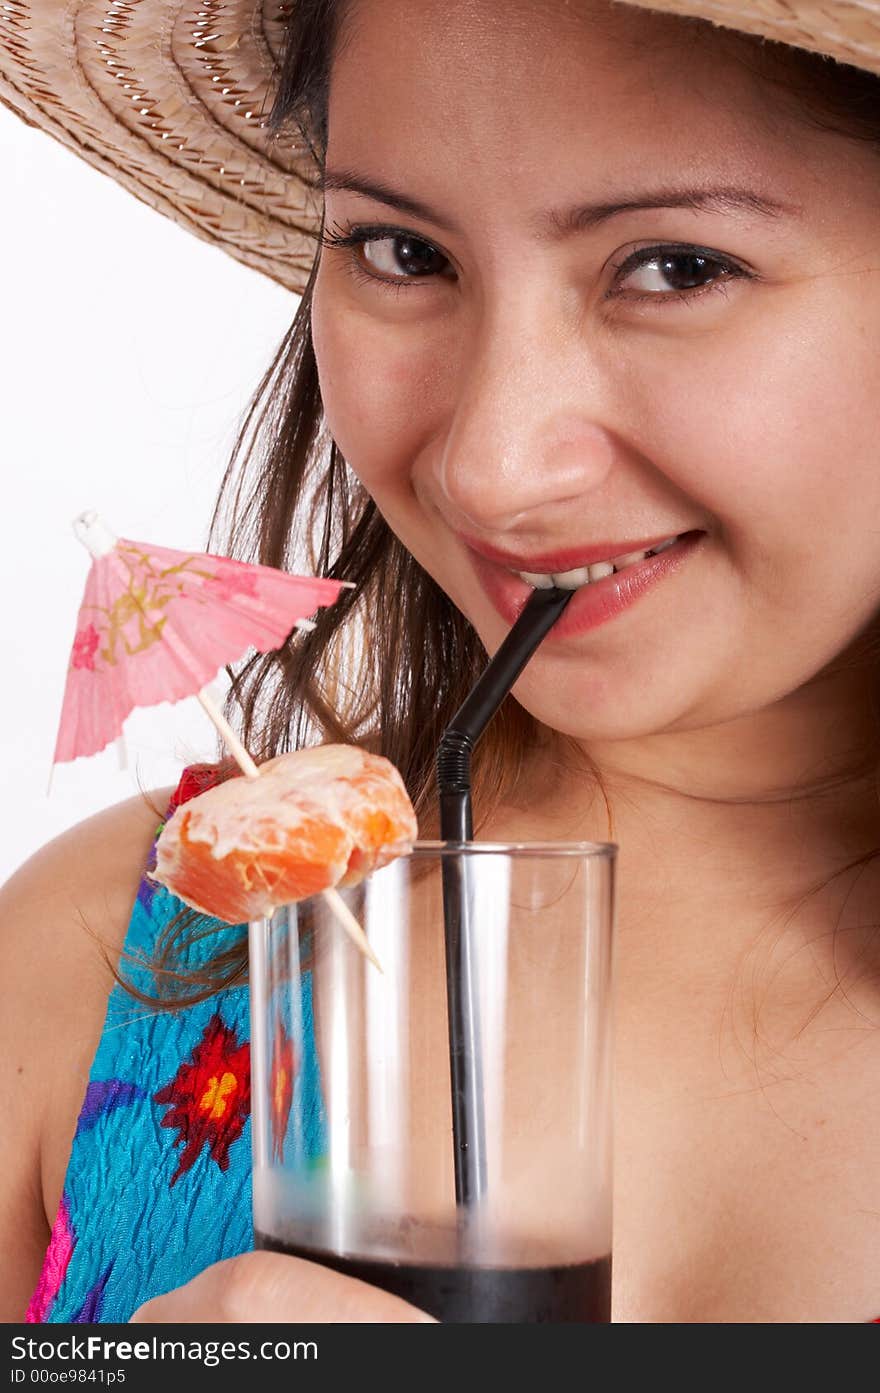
point(334, 900)
point(233, 744)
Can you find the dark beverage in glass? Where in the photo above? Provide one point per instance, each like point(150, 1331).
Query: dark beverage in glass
point(355, 1143)
point(571, 1292)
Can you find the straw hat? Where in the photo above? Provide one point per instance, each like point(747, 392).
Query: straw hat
point(168, 98)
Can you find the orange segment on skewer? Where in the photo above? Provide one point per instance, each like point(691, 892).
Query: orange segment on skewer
point(313, 819)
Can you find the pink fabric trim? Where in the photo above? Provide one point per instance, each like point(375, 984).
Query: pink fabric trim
point(58, 1255)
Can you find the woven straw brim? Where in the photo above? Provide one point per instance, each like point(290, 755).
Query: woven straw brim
point(169, 99)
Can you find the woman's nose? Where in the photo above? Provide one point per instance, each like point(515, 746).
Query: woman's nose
point(523, 438)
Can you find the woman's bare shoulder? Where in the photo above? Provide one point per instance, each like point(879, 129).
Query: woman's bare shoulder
point(72, 896)
point(96, 860)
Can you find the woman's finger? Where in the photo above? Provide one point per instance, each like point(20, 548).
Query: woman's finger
point(272, 1287)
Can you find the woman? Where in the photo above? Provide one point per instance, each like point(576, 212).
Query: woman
point(592, 279)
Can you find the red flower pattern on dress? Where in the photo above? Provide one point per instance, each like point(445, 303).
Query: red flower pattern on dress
point(210, 1098)
point(198, 778)
point(85, 646)
point(281, 1080)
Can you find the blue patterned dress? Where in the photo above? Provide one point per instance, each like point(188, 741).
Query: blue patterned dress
point(158, 1185)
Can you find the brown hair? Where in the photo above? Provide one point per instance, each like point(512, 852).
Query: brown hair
point(390, 662)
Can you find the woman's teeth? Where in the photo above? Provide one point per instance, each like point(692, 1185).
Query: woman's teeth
point(572, 580)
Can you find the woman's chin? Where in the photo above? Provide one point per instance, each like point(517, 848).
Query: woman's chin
point(596, 713)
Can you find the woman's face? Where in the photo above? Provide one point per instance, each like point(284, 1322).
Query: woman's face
point(525, 387)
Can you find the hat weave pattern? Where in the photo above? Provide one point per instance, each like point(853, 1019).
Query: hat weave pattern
point(169, 98)
point(848, 30)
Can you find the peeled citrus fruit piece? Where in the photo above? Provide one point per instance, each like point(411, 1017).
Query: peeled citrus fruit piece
point(313, 819)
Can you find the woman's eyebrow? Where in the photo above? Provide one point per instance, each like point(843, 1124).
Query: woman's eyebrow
point(382, 193)
point(727, 199)
point(557, 224)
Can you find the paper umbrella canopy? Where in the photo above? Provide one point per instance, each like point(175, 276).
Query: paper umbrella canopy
point(157, 625)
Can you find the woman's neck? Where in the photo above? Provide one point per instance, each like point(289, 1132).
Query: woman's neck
point(722, 831)
point(802, 767)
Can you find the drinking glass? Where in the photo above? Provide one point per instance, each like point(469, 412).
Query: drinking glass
point(474, 1178)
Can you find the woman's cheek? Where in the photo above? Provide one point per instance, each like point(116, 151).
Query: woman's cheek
point(751, 424)
point(370, 388)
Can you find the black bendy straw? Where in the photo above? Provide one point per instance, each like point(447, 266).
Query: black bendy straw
point(456, 825)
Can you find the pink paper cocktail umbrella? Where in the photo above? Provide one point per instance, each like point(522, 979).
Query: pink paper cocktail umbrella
point(156, 625)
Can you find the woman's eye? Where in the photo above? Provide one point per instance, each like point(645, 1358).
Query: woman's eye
point(662, 273)
point(403, 256)
point(386, 257)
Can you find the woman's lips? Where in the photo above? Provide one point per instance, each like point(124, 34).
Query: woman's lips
point(593, 604)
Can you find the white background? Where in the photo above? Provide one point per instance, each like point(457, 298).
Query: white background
point(129, 350)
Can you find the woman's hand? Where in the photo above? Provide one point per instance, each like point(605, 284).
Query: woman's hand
point(272, 1288)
